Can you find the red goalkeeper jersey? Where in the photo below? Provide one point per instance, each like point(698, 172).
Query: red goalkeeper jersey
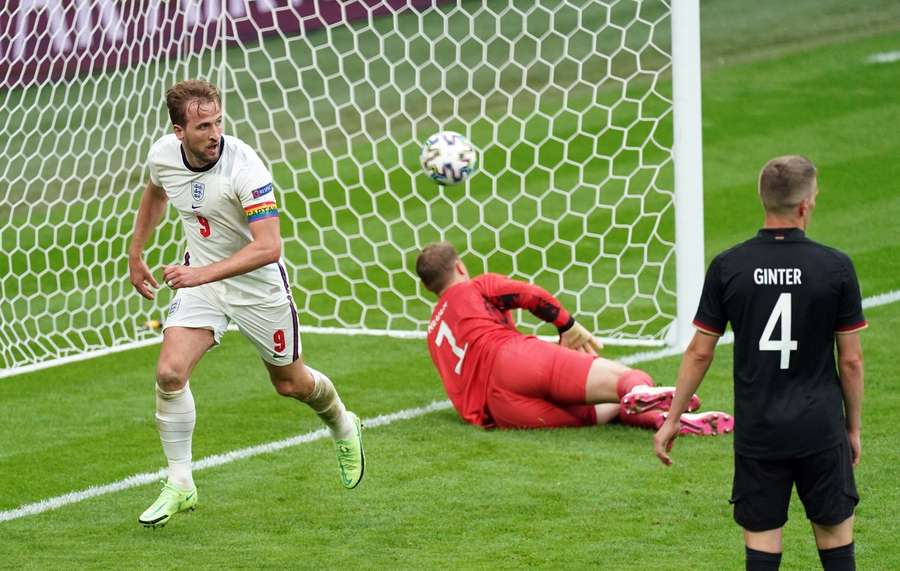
point(470, 321)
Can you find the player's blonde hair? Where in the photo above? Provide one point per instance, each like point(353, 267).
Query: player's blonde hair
point(785, 182)
point(183, 93)
point(435, 265)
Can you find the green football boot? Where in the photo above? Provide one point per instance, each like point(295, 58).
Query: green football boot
point(351, 458)
point(171, 501)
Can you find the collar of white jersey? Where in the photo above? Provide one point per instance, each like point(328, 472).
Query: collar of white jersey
point(188, 166)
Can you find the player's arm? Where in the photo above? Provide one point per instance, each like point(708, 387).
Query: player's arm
point(150, 211)
point(694, 364)
point(850, 366)
point(263, 250)
point(506, 294)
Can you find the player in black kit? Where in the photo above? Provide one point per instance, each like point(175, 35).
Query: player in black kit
point(797, 414)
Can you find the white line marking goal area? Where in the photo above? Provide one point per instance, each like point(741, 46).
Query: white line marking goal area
point(383, 420)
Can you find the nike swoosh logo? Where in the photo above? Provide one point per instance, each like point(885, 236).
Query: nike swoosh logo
point(277, 356)
point(196, 206)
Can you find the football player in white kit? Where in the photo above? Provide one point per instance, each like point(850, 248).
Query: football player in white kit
point(232, 272)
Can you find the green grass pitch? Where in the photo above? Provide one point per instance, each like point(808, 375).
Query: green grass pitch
point(783, 78)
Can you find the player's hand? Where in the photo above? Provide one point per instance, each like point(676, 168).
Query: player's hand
point(664, 439)
point(580, 339)
point(142, 278)
point(178, 276)
point(855, 445)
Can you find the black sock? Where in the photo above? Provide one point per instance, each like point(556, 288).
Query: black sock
point(762, 561)
point(839, 558)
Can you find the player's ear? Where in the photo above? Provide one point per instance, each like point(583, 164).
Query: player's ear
point(806, 206)
point(179, 131)
point(460, 268)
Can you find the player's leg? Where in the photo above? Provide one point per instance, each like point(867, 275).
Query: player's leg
point(762, 549)
point(761, 494)
point(837, 551)
point(564, 378)
point(193, 326)
point(827, 488)
point(314, 388)
point(274, 331)
point(607, 412)
point(536, 369)
point(512, 410)
point(561, 378)
point(638, 393)
point(181, 350)
point(608, 382)
point(641, 402)
point(611, 381)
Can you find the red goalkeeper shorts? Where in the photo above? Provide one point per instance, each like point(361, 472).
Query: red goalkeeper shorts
point(536, 384)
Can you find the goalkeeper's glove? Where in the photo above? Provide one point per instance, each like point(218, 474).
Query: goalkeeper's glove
point(574, 336)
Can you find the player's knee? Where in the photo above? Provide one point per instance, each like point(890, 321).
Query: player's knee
point(169, 378)
point(285, 388)
point(638, 377)
point(627, 379)
point(298, 386)
point(292, 389)
point(831, 536)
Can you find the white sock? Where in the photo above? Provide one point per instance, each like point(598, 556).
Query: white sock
point(175, 418)
point(326, 403)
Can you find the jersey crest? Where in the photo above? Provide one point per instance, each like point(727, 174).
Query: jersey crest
point(198, 190)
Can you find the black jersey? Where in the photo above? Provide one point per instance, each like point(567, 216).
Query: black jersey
point(785, 297)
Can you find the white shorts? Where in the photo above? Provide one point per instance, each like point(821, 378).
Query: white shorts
point(273, 328)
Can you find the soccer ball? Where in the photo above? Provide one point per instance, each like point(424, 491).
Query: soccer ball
point(449, 158)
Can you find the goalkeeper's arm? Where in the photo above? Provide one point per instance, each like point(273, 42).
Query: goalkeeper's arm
point(578, 338)
point(506, 294)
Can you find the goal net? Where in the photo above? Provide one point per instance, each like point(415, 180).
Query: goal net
point(568, 101)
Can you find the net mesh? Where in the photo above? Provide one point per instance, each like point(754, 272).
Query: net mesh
point(569, 103)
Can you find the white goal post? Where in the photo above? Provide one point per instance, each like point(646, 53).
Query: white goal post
point(589, 184)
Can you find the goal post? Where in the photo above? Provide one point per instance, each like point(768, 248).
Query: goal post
point(688, 161)
point(588, 185)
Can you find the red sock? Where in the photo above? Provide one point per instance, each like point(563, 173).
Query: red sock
point(631, 379)
point(651, 419)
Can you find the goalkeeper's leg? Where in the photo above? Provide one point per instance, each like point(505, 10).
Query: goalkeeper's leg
point(611, 381)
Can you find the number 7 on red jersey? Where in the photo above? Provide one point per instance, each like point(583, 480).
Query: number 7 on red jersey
point(445, 333)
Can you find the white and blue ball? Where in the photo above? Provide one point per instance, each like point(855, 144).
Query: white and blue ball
point(449, 158)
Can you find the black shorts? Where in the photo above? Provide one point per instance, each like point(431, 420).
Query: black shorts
point(762, 488)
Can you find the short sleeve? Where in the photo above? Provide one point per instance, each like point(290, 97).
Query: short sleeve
point(710, 317)
point(253, 185)
point(850, 318)
point(153, 167)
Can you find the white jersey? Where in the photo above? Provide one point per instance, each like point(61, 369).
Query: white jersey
point(216, 204)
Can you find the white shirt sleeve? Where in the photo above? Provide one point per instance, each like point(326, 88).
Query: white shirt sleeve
point(152, 166)
point(253, 185)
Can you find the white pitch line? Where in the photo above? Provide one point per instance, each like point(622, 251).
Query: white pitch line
point(884, 57)
point(881, 299)
point(383, 420)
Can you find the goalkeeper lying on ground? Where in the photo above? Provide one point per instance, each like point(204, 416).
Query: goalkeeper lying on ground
point(498, 378)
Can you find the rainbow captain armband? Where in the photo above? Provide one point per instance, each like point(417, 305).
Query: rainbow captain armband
point(260, 211)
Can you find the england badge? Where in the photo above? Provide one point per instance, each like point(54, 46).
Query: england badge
point(197, 191)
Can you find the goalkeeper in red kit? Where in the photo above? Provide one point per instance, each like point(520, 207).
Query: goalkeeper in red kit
point(498, 378)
